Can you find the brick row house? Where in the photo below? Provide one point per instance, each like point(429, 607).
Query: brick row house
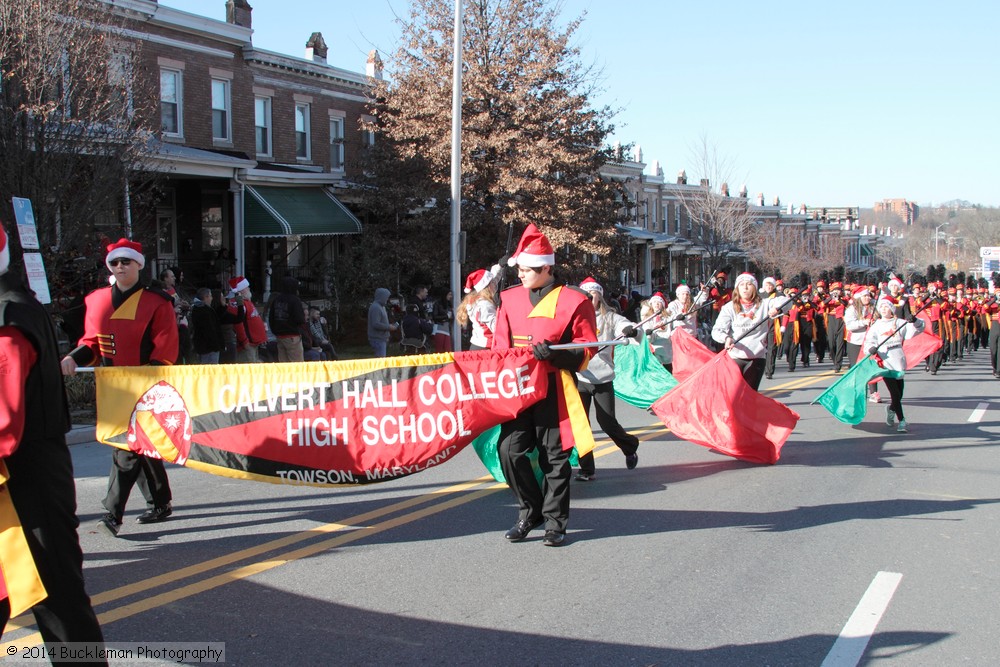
point(667, 247)
point(256, 149)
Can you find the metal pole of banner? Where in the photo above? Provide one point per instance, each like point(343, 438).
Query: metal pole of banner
point(456, 176)
point(582, 346)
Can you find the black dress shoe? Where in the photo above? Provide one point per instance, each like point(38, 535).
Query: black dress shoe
point(553, 538)
point(156, 514)
point(521, 530)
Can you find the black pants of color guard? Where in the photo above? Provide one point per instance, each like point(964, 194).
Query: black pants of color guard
point(994, 343)
point(604, 406)
point(537, 430)
point(129, 469)
point(42, 489)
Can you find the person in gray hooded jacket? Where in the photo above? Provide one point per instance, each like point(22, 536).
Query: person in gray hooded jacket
point(379, 326)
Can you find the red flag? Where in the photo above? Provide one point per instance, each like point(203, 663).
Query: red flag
point(690, 354)
point(920, 347)
point(716, 408)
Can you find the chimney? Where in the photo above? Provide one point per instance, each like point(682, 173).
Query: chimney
point(743, 191)
point(316, 48)
point(760, 199)
point(373, 68)
point(777, 200)
point(704, 183)
point(682, 177)
point(238, 12)
point(638, 153)
point(724, 190)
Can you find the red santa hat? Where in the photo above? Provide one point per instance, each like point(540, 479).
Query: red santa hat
point(680, 289)
point(895, 281)
point(533, 250)
point(238, 284)
point(861, 290)
point(591, 285)
point(658, 297)
point(4, 251)
point(125, 249)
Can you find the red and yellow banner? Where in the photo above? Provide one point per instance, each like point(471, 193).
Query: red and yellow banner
point(340, 422)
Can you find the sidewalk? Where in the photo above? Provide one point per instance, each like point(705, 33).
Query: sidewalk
point(80, 434)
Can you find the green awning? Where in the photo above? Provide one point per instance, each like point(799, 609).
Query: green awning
point(867, 251)
point(299, 211)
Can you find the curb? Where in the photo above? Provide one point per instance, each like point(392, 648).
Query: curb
point(81, 434)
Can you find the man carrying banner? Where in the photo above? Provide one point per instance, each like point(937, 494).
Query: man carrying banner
point(37, 492)
point(542, 312)
point(129, 324)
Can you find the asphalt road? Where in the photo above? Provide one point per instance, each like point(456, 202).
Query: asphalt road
point(693, 558)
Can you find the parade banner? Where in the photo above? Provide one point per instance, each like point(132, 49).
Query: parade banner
point(316, 423)
point(716, 408)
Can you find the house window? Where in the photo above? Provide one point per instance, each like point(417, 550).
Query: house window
point(220, 110)
point(302, 131)
point(262, 124)
point(171, 94)
point(336, 144)
point(677, 219)
point(120, 80)
point(368, 138)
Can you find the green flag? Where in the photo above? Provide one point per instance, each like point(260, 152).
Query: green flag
point(847, 399)
point(640, 379)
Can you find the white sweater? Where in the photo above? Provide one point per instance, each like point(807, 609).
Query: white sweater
point(729, 324)
point(892, 332)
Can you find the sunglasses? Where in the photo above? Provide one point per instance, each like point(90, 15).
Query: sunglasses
point(124, 261)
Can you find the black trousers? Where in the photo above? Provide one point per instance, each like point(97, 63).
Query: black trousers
point(994, 344)
point(42, 489)
point(129, 469)
point(772, 353)
point(934, 361)
point(752, 369)
point(604, 406)
point(537, 430)
point(895, 388)
point(837, 343)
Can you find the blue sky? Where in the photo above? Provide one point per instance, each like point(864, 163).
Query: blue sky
point(827, 104)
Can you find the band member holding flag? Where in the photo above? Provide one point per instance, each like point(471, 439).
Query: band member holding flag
point(129, 324)
point(540, 313)
point(857, 318)
point(886, 336)
point(740, 330)
point(41, 565)
point(597, 382)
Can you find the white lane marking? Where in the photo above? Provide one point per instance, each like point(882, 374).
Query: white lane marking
point(853, 640)
point(977, 414)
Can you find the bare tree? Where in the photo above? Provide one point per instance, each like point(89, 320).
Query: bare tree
point(532, 145)
point(71, 134)
point(779, 250)
point(724, 224)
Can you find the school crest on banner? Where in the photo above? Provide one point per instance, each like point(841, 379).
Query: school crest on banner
point(343, 422)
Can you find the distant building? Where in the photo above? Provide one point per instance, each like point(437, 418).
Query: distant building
point(906, 210)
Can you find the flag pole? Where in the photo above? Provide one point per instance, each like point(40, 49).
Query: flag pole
point(456, 174)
